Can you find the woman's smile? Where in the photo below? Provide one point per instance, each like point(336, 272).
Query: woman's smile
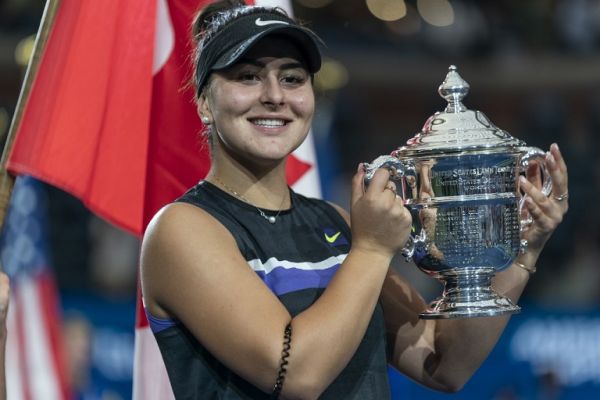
point(262, 107)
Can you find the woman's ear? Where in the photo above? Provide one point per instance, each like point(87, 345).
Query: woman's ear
point(204, 109)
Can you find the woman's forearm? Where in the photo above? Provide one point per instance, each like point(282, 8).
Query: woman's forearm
point(327, 335)
point(462, 345)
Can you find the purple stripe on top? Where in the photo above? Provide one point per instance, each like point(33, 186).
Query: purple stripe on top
point(159, 324)
point(285, 280)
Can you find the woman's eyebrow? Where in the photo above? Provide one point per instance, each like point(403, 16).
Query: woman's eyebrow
point(251, 61)
point(260, 64)
point(293, 65)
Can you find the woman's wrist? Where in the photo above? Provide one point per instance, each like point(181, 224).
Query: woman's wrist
point(527, 261)
point(529, 269)
point(372, 254)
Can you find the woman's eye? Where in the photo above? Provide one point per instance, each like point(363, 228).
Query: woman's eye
point(293, 79)
point(248, 76)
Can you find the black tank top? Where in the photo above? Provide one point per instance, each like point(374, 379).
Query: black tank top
point(296, 257)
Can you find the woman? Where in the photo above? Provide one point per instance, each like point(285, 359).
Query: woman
point(248, 285)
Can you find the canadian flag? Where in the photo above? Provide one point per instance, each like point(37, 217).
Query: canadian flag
point(109, 118)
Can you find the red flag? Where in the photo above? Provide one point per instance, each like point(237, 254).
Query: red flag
point(111, 120)
point(84, 127)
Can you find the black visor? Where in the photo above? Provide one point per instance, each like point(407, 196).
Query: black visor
point(238, 36)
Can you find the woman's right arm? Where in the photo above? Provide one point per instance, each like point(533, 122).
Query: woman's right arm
point(193, 270)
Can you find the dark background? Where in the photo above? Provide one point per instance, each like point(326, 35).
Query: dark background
point(534, 70)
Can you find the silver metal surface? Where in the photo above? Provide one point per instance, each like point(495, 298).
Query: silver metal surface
point(457, 128)
point(459, 177)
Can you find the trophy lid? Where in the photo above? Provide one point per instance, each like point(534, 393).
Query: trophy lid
point(457, 128)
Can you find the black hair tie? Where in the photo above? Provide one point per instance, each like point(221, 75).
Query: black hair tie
point(285, 353)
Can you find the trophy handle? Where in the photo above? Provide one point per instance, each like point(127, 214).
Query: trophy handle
point(538, 155)
point(404, 176)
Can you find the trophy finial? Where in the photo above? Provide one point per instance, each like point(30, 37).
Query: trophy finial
point(454, 89)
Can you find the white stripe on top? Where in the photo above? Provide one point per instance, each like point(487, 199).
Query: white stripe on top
point(273, 262)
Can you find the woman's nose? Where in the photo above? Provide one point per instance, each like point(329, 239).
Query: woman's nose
point(272, 92)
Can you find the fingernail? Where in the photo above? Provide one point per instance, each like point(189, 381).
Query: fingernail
point(529, 202)
point(550, 160)
point(555, 146)
point(523, 180)
point(360, 167)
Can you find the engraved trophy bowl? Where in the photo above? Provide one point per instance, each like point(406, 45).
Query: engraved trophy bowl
point(459, 177)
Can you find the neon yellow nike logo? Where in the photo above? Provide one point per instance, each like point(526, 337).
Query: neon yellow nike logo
point(331, 239)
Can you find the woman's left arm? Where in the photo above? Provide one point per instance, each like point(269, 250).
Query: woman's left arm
point(444, 354)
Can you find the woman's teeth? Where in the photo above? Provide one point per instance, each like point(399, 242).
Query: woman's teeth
point(270, 123)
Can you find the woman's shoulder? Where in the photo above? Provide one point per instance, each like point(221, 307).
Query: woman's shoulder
point(200, 214)
point(180, 218)
point(200, 194)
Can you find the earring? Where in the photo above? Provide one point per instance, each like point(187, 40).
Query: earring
point(205, 120)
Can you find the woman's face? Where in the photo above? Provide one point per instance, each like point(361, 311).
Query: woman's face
point(262, 107)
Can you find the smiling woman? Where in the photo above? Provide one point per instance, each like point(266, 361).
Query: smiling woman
point(254, 291)
point(261, 107)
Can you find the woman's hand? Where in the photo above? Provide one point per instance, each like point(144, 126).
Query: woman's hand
point(546, 212)
point(4, 297)
point(379, 220)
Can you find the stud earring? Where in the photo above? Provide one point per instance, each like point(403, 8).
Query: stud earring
point(205, 120)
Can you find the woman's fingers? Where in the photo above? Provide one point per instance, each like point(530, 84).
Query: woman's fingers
point(557, 155)
point(547, 221)
point(532, 191)
point(538, 204)
point(379, 219)
point(378, 184)
point(547, 212)
point(358, 184)
point(391, 187)
point(4, 296)
point(558, 172)
point(534, 175)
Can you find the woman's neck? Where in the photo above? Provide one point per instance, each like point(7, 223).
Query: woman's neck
point(263, 188)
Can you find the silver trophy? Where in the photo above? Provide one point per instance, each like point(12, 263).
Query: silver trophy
point(459, 177)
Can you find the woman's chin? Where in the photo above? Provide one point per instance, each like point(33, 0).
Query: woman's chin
point(273, 155)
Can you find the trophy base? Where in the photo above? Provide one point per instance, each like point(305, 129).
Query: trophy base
point(468, 293)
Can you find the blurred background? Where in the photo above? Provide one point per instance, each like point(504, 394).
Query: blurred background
point(534, 70)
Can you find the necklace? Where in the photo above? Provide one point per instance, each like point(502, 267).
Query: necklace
point(271, 218)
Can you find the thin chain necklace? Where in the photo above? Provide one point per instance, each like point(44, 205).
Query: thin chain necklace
point(272, 219)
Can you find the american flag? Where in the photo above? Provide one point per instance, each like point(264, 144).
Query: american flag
point(34, 358)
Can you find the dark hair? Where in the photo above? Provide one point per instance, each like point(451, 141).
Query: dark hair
point(225, 29)
point(203, 20)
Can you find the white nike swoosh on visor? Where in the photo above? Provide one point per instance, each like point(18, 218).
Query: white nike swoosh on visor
point(260, 22)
